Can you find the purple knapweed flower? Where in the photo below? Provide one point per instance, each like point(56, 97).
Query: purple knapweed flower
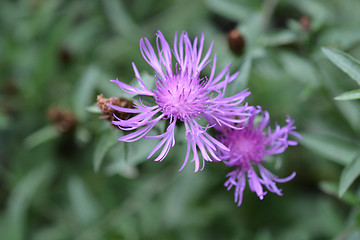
point(182, 95)
point(248, 148)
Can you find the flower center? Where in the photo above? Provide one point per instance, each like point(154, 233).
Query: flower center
point(181, 97)
point(246, 145)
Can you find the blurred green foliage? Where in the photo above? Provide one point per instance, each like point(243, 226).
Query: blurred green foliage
point(63, 175)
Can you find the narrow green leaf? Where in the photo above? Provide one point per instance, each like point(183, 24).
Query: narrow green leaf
point(345, 62)
point(84, 205)
point(332, 189)
point(348, 175)
point(125, 157)
point(85, 90)
point(21, 197)
point(279, 38)
point(331, 148)
point(186, 186)
point(4, 121)
point(119, 18)
point(122, 167)
point(354, 234)
point(328, 187)
point(105, 141)
point(300, 69)
point(252, 28)
point(349, 109)
point(153, 186)
point(41, 136)
point(93, 109)
point(342, 38)
point(231, 10)
point(350, 95)
point(241, 82)
point(138, 151)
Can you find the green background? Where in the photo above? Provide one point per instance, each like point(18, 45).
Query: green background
point(87, 185)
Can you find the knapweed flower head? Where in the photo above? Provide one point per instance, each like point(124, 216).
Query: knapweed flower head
point(249, 147)
point(182, 95)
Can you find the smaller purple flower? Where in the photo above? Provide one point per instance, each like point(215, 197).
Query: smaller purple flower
point(248, 148)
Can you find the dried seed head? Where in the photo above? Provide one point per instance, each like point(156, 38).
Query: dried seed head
point(9, 87)
point(64, 121)
point(65, 55)
point(108, 112)
point(236, 41)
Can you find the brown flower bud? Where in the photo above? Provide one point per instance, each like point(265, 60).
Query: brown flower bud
point(64, 121)
point(108, 112)
point(65, 55)
point(236, 41)
point(9, 87)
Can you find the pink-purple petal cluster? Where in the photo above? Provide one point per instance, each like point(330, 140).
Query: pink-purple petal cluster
point(248, 148)
point(181, 95)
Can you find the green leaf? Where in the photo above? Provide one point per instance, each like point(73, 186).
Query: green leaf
point(350, 95)
point(231, 10)
point(241, 82)
point(181, 194)
point(345, 62)
point(84, 95)
point(121, 167)
point(119, 18)
point(300, 69)
point(332, 189)
point(279, 38)
point(348, 175)
point(252, 29)
point(353, 234)
point(94, 109)
point(41, 136)
point(106, 139)
point(330, 147)
point(4, 120)
point(21, 197)
point(84, 206)
point(342, 38)
point(138, 151)
point(349, 109)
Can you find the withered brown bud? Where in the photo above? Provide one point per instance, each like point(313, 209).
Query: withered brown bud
point(64, 121)
point(9, 87)
point(305, 23)
point(108, 112)
point(65, 54)
point(236, 41)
